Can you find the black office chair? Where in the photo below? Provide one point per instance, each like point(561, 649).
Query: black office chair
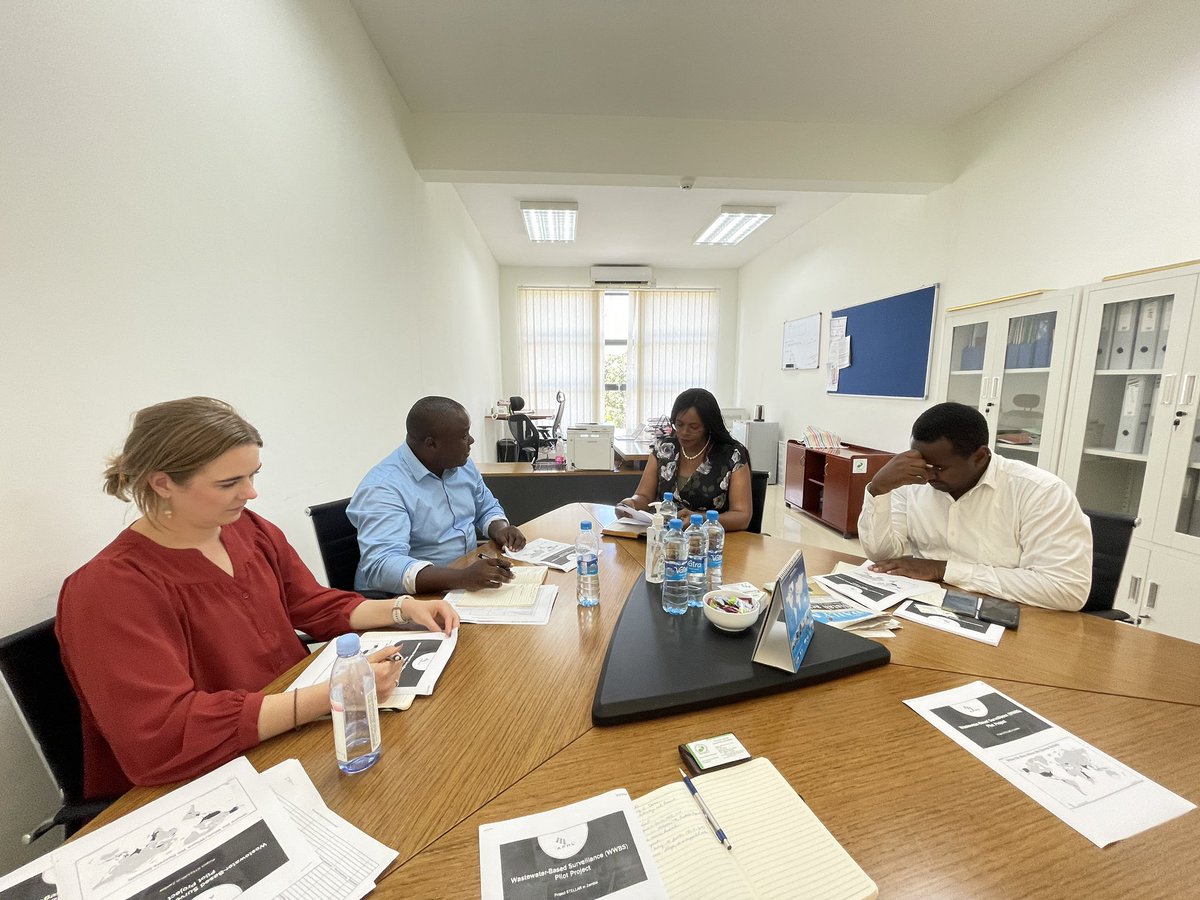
point(529, 442)
point(337, 539)
point(758, 500)
point(45, 702)
point(1111, 536)
point(551, 434)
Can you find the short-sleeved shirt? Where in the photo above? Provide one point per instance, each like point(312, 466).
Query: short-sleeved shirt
point(707, 487)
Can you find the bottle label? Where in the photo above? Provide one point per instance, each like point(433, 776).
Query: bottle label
point(587, 565)
point(714, 559)
point(675, 570)
point(339, 732)
point(695, 565)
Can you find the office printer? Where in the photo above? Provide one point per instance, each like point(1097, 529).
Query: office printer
point(590, 446)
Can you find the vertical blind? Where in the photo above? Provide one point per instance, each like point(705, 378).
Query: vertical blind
point(673, 346)
point(676, 348)
point(559, 330)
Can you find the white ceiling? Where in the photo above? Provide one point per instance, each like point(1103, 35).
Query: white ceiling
point(897, 64)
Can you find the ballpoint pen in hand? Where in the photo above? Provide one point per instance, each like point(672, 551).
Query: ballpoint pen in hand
point(712, 820)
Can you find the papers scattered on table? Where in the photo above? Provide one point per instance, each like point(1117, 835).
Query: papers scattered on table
point(594, 848)
point(545, 552)
point(845, 614)
point(1089, 790)
point(950, 622)
point(876, 591)
point(425, 656)
point(229, 833)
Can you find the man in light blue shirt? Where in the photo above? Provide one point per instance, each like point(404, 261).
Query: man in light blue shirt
point(420, 508)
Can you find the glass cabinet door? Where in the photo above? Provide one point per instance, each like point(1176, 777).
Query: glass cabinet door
point(1126, 445)
point(1024, 394)
point(967, 354)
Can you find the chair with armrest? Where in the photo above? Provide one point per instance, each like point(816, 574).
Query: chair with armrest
point(529, 442)
point(46, 704)
point(551, 434)
point(758, 500)
point(1111, 536)
point(337, 539)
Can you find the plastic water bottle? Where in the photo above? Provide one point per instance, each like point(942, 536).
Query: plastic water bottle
point(587, 566)
point(668, 507)
point(697, 561)
point(654, 550)
point(355, 708)
point(674, 589)
point(716, 550)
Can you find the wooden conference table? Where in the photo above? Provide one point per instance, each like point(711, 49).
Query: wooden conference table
point(508, 732)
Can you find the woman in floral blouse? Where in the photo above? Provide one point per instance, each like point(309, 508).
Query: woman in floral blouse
point(700, 463)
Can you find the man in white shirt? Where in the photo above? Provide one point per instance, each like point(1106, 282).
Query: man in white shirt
point(949, 510)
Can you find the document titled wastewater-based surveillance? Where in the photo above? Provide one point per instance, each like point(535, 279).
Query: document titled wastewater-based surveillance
point(1096, 795)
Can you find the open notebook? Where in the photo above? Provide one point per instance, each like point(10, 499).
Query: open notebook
point(522, 591)
point(780, 848)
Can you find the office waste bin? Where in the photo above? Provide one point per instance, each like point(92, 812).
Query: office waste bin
point(506, 450)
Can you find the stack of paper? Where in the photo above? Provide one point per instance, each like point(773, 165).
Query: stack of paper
point(545, 552)
point(876, 591)
point(523, 601)
point(820, 439)
point(846, 615)
point(230, 833)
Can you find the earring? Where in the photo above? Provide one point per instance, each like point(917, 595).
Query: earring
point(167, 511)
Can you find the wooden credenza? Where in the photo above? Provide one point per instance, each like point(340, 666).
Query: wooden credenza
point(828, 484)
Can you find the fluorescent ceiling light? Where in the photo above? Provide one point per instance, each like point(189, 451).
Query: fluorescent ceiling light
point(547, 222)
point(734, 223)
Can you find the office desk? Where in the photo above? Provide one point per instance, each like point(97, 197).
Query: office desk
point(508, 732)
point(630, 453)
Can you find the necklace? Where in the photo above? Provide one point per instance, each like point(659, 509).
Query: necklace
point(689, 457)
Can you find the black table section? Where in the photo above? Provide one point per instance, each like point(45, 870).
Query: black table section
point(658, 664)
point(527, 495)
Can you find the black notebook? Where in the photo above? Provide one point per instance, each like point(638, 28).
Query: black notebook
point(984, 607)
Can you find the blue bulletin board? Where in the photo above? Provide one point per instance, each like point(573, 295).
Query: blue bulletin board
point(889, 346)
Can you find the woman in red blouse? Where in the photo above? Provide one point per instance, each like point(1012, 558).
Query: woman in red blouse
point(171, 632)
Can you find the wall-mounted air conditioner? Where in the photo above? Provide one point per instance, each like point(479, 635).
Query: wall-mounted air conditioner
point(629, 276)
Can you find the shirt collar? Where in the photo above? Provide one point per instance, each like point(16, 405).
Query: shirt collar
point(408, 461)
point(989, 478)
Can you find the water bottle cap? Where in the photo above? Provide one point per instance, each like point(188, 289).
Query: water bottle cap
point(585, 526)
point(668, 497)
point(348, 645)
point(676, 525)
point(711, 515)
point(697, 518)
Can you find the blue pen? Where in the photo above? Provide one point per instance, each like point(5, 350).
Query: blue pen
point(712, 820)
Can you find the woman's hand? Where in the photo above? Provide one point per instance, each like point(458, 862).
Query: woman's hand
point(634, 502)
point(386, 663)
point(435, 615)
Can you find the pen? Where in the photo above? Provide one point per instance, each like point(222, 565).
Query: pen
point(504, 563)
point(712, 821)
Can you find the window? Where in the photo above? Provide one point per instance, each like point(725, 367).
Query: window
point(619, 355)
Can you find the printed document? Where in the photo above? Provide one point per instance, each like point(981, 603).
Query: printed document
point(545, 552)
point(950, 622)
point(1099, 797)
point(425, 656)
point(588, 850)
point(876, 591)
point(224, 830)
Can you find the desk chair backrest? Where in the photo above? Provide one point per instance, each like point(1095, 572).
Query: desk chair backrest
point(1111, 536)
point(758, 500)
point(526, 435)
point(556, 429)
point(45, 702)
point(337, 540)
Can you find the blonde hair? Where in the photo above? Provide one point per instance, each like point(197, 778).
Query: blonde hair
point(178, 437)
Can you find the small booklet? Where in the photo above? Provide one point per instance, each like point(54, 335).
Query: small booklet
point(545, 552)
point(591, 849)
point(522, 591)
point(780, 849)
point(634, 515)
point(425, 656)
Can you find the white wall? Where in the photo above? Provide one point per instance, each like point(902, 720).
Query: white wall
point(211, 198)
point(1089, 169)
point(724, 280)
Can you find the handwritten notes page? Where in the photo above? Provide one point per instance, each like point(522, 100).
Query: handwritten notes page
point(780, 848)
point(522, 591)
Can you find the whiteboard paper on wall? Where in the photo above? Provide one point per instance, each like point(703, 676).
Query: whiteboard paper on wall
point(802, 342)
